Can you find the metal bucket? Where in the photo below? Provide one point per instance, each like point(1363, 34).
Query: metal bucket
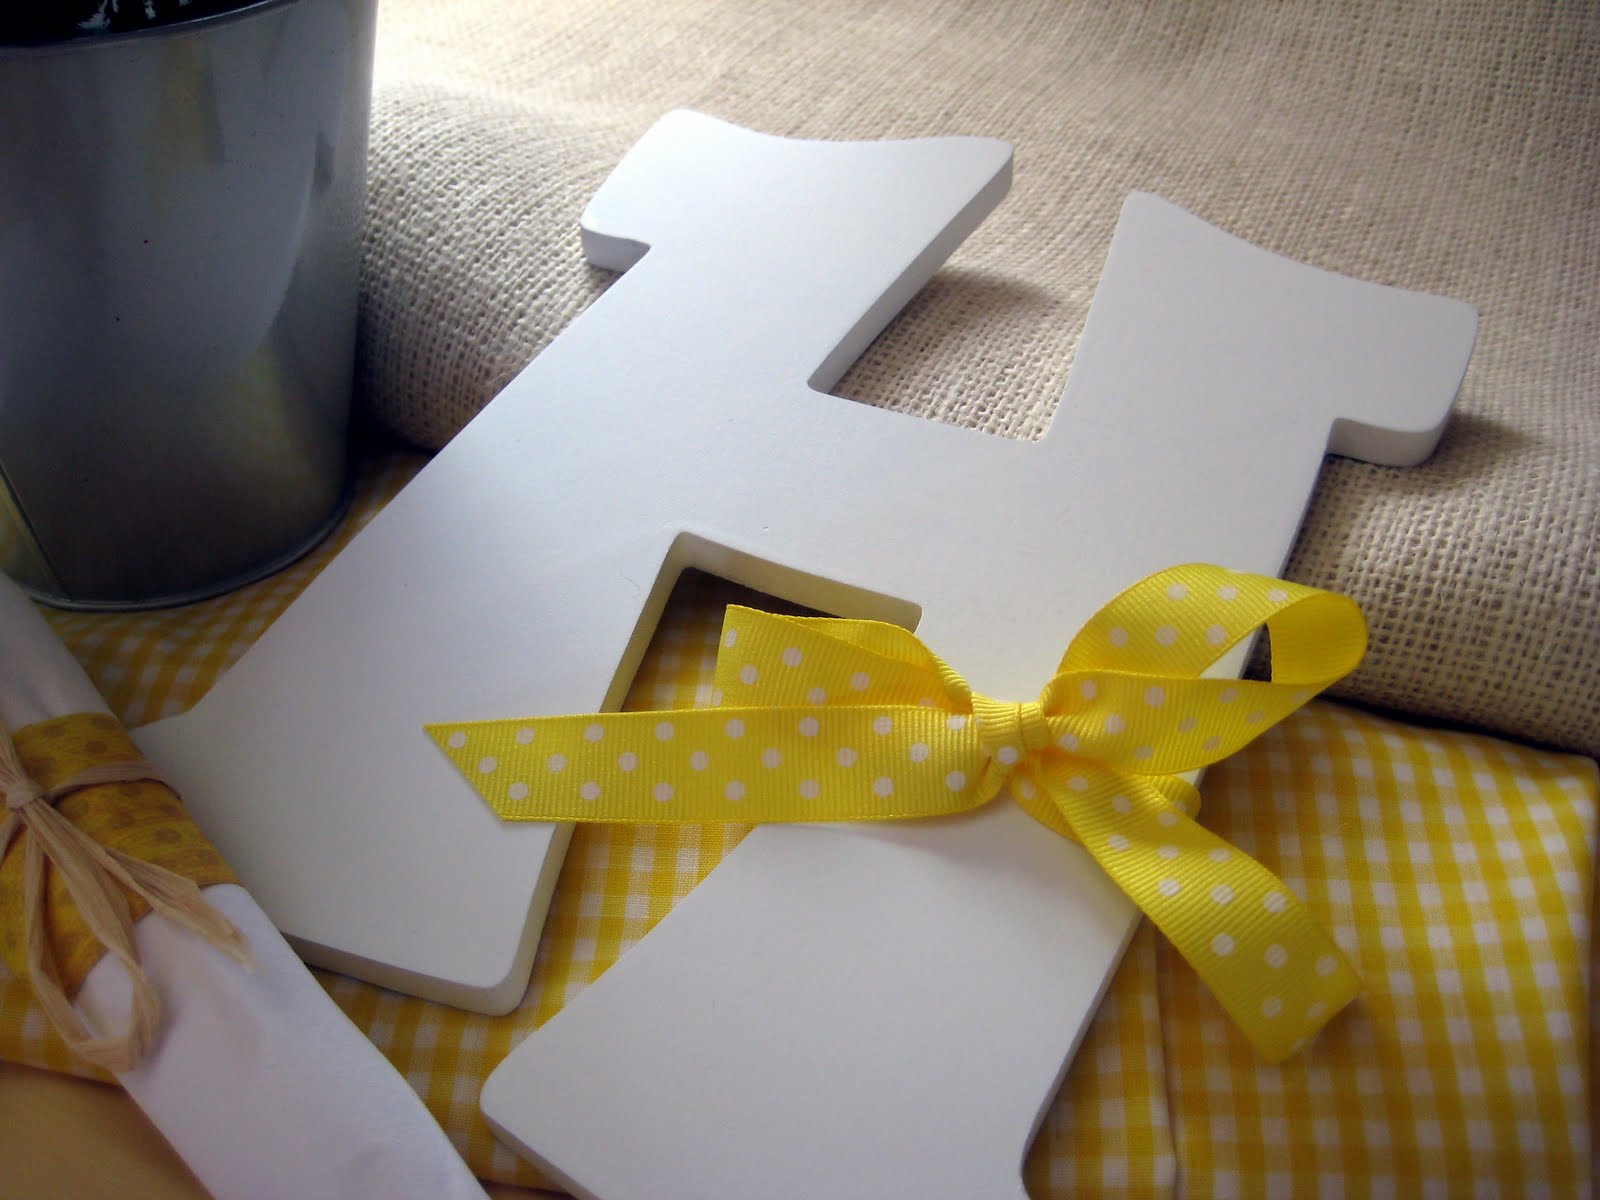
point(180, 219)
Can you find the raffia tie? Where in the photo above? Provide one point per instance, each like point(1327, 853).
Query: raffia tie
point(92, 874)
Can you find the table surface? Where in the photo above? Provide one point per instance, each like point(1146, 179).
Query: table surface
point(1453, 923)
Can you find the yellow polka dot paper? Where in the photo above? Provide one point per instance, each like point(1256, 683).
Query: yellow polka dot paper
point(1455, 871)
point(820, 719)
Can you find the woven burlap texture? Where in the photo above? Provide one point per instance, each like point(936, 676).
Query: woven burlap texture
point(1449, 149)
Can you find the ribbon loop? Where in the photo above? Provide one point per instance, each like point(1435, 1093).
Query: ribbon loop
point(836, 720)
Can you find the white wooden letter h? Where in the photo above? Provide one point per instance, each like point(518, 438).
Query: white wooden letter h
point(868, 1012)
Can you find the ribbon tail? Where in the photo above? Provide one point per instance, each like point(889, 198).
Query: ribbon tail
point(1276, 972)
point(178, 899)
point(738, 765)
point(117, 1052)
point(105, 911)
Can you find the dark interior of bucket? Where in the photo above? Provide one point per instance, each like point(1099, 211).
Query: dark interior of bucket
point(36, 22)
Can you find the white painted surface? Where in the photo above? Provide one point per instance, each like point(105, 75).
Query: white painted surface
point(884, 1011)
point(520, 571)
point(256, 1078)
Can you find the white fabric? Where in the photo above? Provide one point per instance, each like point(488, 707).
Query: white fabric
point(258, 1079)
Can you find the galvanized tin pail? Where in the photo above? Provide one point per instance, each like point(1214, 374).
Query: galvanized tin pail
point(180, 220)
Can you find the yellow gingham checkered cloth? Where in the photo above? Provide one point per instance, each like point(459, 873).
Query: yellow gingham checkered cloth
point(1455, 870)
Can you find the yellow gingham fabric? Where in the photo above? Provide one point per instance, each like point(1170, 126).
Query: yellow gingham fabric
point(1455, 870)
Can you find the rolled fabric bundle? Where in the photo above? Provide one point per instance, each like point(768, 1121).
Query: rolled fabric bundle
point(255, 1076)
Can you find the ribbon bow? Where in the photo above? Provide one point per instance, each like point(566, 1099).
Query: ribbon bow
point(819, 719)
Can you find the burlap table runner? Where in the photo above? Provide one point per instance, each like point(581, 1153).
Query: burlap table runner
point(1447, 148)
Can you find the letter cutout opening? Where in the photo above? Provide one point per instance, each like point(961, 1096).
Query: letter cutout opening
point(525, 567)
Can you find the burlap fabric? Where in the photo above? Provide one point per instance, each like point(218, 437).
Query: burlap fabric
point(1448, 148)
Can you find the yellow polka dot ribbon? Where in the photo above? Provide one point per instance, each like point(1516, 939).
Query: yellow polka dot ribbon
point(821, 719)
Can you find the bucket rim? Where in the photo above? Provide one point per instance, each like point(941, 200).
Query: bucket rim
point(88, 41)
